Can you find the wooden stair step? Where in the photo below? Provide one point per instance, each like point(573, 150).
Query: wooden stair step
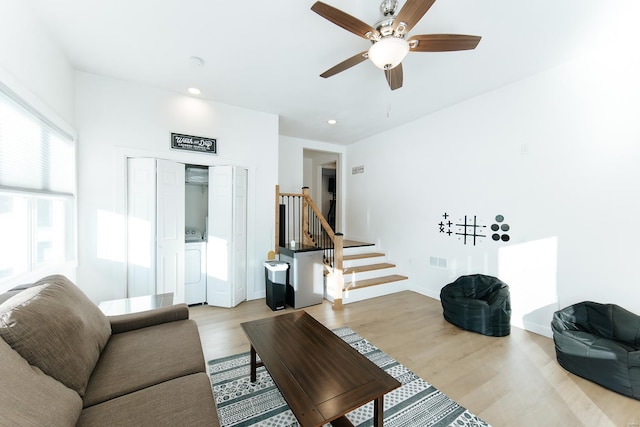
point(347, 243)
point(368, 267)
point(362, 256)
point(373, 282)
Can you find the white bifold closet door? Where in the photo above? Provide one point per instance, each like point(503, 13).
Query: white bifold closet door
point(155, 228)
point(141, 227)
point(170, 231)
point(227, 236)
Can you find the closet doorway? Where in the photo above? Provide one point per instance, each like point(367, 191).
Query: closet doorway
point(157, 232)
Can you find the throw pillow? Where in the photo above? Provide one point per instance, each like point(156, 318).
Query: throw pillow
point(54, 326)
point(32, 398)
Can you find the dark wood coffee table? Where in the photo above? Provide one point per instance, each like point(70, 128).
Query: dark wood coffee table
point(320, 376)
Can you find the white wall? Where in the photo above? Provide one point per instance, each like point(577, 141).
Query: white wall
point(290, 160)
point(556, 154)
point(116, 119)
point(30, 58)
point(38, 72)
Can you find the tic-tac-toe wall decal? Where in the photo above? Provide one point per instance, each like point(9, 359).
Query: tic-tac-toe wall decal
point(446, 225)
point(471, 230)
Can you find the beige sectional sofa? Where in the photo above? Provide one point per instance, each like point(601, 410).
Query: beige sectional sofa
point(64, 363)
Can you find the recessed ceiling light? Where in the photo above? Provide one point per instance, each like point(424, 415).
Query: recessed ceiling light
point(194, 91)
point(332, 121)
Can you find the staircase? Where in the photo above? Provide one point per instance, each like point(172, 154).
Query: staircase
point(367, 274)
point(353, 271)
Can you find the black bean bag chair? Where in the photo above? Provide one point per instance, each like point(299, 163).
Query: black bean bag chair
point(600, 342)
point(478, 303)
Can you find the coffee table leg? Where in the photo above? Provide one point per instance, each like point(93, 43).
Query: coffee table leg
point(253, 364)
point(378, 411)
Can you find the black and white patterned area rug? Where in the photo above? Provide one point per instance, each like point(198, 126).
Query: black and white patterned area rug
point(415, 404)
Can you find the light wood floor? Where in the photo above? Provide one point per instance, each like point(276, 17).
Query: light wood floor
point(508, 381)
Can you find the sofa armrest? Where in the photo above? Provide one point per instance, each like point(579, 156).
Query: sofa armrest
point(132, 321)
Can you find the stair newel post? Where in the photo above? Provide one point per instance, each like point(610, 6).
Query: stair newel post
point(277, 231)
point(338, 285)
point(306, 236)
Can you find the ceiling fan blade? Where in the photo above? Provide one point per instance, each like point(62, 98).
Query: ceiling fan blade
point(443, 42)
point(343, 20)
point(394, 77)
point(411, 13)
point(347, 63)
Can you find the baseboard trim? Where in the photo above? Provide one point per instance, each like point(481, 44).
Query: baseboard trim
point(536, 328)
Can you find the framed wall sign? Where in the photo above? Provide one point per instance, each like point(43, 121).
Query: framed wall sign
point(194, 143)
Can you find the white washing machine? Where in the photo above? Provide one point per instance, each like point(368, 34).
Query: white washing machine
point(195, 270)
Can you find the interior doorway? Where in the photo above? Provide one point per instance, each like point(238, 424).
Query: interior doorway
point(321, 173)
point(328, 202)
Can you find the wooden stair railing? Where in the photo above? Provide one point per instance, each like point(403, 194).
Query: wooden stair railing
point(299, 219)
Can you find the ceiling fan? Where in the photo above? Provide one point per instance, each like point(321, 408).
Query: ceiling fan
point(389, 37)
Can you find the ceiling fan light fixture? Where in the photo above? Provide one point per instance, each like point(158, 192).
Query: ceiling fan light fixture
point(388, 52)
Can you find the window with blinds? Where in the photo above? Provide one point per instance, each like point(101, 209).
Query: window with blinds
point(37, 190)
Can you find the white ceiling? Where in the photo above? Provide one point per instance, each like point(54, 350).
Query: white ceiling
point(267, 55)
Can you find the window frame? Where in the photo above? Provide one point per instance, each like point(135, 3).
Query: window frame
point(66, 264)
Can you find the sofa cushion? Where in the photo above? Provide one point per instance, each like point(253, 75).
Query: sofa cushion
point(55, 327)
point(31, 398)
point(184, 401)
point(143, 357)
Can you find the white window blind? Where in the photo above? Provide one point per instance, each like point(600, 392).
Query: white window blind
point(34, 154)
point(37, 191)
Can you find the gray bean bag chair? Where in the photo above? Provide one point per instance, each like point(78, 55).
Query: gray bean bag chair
point(600, 342)
point(478, 303)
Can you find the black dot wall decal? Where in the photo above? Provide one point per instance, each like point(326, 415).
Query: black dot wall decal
point(500, 226)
